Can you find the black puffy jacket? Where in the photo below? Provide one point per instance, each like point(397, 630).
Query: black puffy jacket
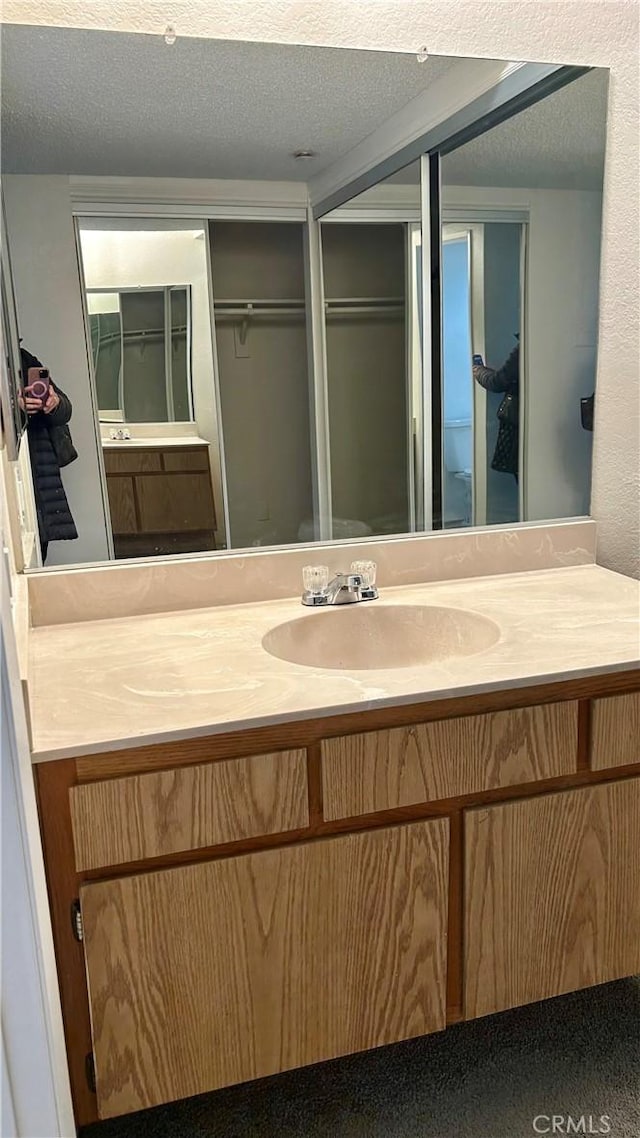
point(55, 521)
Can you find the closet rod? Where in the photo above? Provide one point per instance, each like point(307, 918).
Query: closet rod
point(294, 302)
point(365, 309)
point(368, 300)
point(249, 313)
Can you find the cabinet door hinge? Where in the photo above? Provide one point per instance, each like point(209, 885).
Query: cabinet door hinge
point(76, 920)
point(90, 1071)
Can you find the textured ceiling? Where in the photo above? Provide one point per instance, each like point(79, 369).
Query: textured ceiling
point(558, 143)
point(109, 103)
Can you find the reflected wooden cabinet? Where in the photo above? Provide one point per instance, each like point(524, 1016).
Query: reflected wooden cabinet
point(160, 499)
point(239, 968)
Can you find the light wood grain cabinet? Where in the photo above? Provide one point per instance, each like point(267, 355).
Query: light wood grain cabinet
point(265, 899)
point(615, 731)
point(381, 770)
point(552, 895)
point(215, 973)
point(151, 815)
point(160, 499)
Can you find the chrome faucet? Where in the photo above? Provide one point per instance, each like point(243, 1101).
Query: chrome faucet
point(343, 589)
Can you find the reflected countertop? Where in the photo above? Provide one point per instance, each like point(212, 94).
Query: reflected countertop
point(137, 444)
point(106, 684)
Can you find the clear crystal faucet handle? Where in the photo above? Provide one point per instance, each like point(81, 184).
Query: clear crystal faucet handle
point(367, 570)
point(315, 578)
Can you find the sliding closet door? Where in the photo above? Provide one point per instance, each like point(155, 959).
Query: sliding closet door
point(364, 287)
point(259, 302)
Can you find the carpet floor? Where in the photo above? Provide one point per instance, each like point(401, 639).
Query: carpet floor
point(576, 1055)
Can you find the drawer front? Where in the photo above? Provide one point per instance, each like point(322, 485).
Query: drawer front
point(381, 770)
point(211, 974)
point(164, 812)
point(131, 461)
point(615, 731)
point(552, 895)
point(183, 459)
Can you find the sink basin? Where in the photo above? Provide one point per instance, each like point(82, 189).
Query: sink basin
point(371, 635)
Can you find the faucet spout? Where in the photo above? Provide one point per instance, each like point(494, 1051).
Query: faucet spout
point(343, 589)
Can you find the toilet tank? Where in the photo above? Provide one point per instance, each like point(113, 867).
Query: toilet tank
point(457, 445)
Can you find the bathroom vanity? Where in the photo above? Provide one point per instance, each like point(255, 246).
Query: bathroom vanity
point(160, 496)
point(320, 862)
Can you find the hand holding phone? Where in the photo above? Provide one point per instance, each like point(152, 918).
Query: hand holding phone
point(38, 384)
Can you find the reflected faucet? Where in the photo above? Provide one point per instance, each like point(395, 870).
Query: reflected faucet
point(343, 589)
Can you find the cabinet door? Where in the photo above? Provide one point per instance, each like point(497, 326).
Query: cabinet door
point(122, 504)
point(173, 503)
point(552, 895)
point(211, 974)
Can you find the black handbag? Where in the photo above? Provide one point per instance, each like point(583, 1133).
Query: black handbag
point(509, 411)
point(62, 444)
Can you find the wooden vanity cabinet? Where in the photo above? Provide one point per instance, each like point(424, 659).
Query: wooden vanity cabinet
point(425, 762)
point(615, 731)
point(211, 974)
point(160, 499)
point(552, 895)
point(252, 902)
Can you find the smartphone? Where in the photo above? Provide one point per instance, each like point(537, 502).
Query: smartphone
point(478, 361)
point(39, 388)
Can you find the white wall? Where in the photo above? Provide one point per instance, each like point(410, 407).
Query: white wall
point(36, 1098)
point(49, 305)
point(126, 258)
point(561, 330)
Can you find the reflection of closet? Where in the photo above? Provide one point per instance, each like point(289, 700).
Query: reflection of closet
point(141, 353)
point(364, 288)
point(258, 289)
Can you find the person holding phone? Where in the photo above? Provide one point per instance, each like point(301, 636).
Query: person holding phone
point(506, 380)
point(48, 412)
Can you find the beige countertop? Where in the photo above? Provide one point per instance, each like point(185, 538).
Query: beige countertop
point(105, 684)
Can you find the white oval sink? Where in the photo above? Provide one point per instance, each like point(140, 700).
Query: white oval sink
point(370, 635)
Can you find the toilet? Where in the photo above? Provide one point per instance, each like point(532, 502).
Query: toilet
point(458, 451)
point(457, 446)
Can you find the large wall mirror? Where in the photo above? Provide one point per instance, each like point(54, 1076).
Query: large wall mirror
point(361, 299)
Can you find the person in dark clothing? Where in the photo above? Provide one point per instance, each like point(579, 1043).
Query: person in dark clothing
point(55, 522)
point(505, 379)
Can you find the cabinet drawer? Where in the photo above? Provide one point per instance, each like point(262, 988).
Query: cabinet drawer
point(238, 968)
point(615, 731)
point(164, 812)
point(131, 461)
point(552, 895)
point(381, 770)
point(183, 459)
